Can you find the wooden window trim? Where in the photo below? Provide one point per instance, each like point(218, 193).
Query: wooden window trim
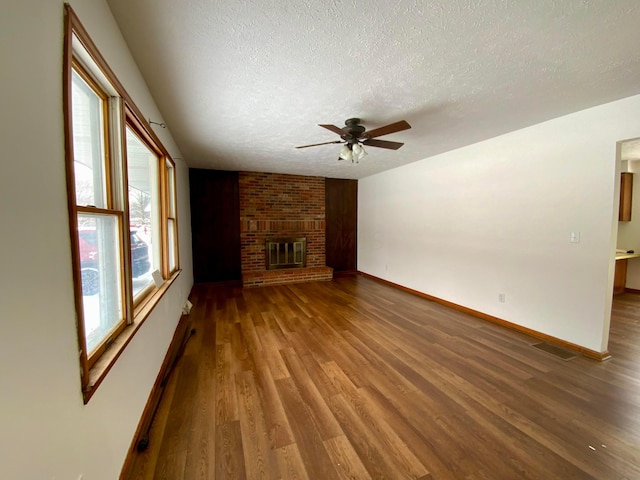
point(88, 359)
point(119, 328)
point(95, 368)
point(134, 124)
point(104, 363)
point(170, 206)
point(80, 69)
point(163, 187)
point(166, 199)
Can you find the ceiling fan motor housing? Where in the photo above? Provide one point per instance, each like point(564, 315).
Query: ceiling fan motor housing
point(353, 131)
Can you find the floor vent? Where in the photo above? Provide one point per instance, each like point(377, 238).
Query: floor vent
point(555, 350)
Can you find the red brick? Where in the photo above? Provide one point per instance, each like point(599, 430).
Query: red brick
point(278, 205)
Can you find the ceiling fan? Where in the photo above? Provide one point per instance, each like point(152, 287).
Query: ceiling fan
point(354, 136)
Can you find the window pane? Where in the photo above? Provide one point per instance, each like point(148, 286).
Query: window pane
point(100, 263)
point(88, 144)
point(171, 189)
point(171, 230)
point(142, 169)
point(172, 235)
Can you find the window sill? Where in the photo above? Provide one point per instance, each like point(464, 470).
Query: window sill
point(99, 370)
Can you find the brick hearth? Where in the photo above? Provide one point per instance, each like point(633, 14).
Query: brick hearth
point(289, 275)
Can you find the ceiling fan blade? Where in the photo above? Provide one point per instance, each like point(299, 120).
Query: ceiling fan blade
point(382, 144)
point(333, 128)
point(387, 129)
point(323, 143)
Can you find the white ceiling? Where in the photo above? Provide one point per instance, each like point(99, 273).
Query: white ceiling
point(241, 83)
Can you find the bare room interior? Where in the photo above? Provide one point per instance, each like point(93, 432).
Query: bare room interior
point(320, 239)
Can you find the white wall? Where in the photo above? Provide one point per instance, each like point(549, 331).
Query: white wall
point(495, 217)
point(46, 431)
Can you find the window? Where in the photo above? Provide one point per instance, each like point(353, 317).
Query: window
point(122, 207)
point(144, 203)
point(171, 216)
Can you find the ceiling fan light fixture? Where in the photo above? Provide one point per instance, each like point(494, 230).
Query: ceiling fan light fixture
point(358, 152)
point(345, 153)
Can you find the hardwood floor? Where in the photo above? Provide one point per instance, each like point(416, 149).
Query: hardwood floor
point(353, 379)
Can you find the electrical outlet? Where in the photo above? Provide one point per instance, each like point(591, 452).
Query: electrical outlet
point(502, 298)
point(574, 237)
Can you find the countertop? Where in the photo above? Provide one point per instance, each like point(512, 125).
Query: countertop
point(625, 256)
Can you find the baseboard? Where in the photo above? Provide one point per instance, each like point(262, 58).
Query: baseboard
point(183, 329)
point(224, 283)
point(632, 290)
point(345, 273)
point(600, 356)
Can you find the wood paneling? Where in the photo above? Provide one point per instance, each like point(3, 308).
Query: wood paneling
point(341, 197)
point(626, 196)
point(357, 379)
point(215, 225)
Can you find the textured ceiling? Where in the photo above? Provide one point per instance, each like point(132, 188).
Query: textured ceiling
point(241, 83)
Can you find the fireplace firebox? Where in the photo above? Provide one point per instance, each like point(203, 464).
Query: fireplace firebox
point(286, 253)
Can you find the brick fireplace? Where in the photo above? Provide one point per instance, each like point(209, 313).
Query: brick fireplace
point(278, 206)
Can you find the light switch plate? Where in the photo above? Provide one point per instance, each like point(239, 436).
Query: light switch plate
point(574, 237)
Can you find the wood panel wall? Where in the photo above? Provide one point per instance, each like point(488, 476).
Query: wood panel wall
point(215, 225)
point(341, 198)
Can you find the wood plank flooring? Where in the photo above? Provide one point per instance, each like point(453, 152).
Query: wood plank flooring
point(353, 379)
